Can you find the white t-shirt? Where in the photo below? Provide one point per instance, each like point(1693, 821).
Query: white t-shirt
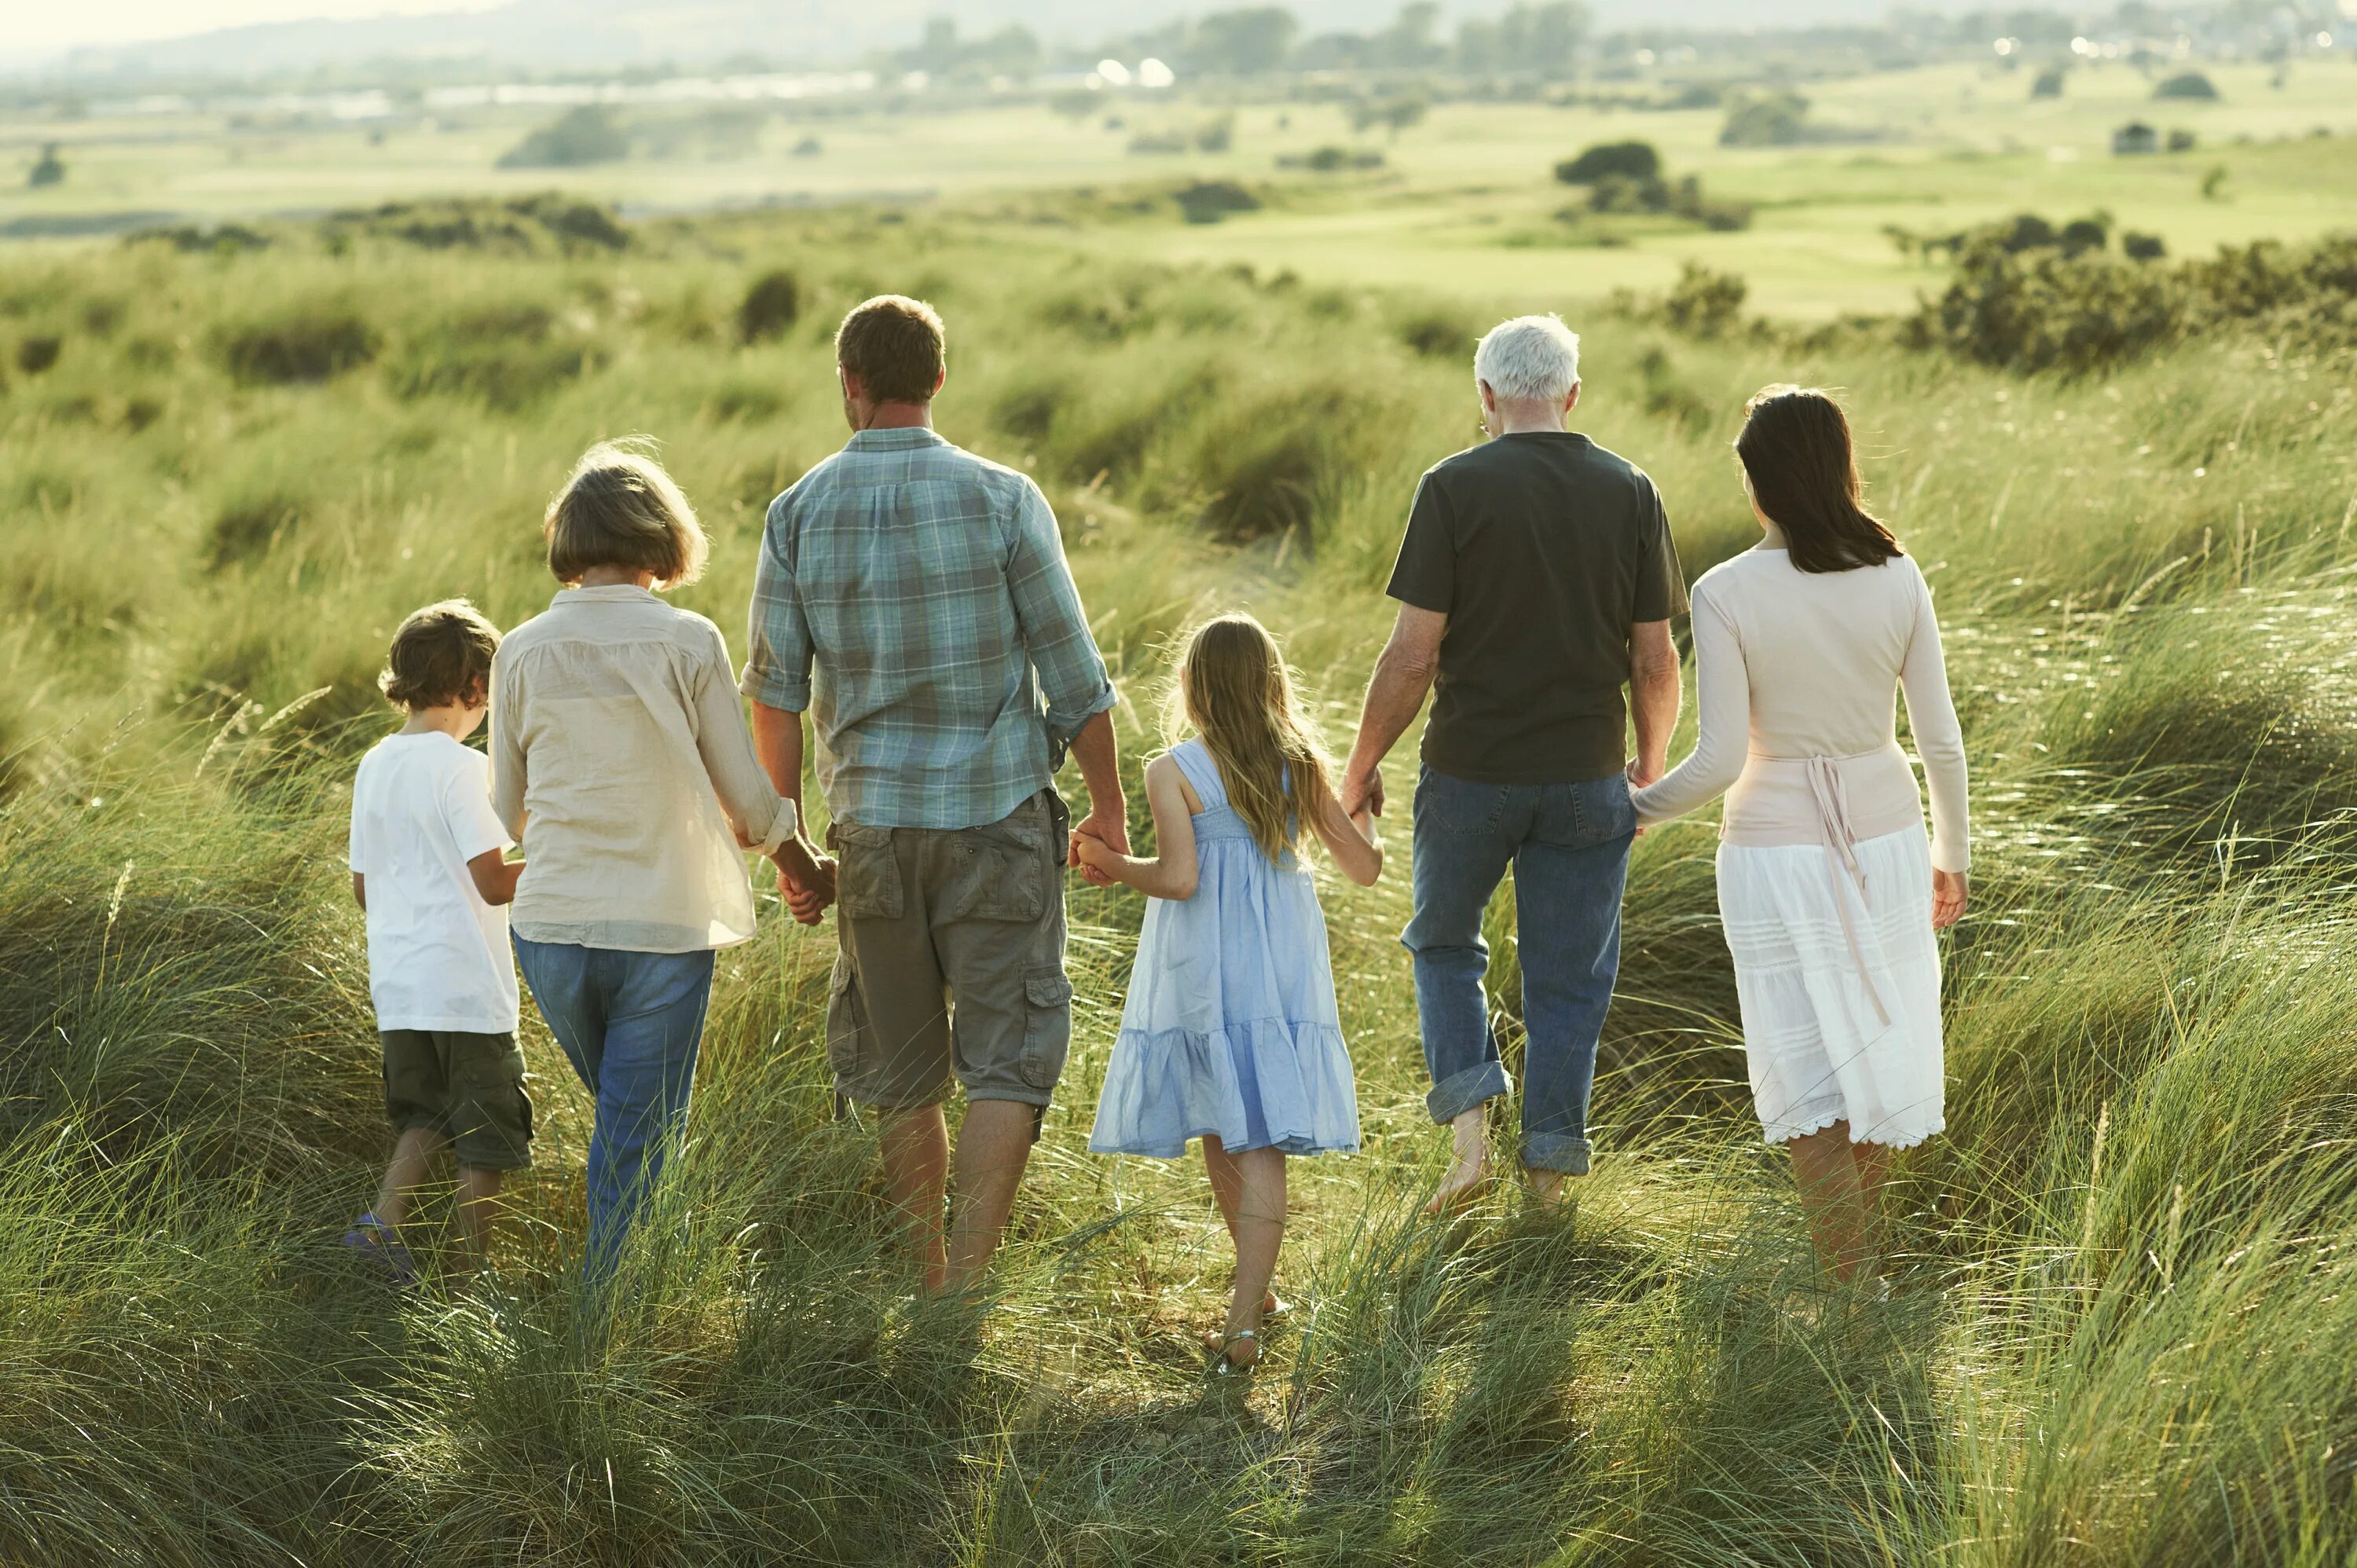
point(438, 955)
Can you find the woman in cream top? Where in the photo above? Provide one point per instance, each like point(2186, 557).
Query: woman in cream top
point(621, 759)
point(1829, 890)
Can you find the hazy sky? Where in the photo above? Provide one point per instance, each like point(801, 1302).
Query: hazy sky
point(37, 26)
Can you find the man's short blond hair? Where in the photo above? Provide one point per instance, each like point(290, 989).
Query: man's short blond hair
point(896, 345)
point(620, 509)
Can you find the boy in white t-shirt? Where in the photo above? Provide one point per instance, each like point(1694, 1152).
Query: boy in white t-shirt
point(429, 867)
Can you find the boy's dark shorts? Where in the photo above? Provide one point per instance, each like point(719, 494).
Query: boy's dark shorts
point(468, 1088)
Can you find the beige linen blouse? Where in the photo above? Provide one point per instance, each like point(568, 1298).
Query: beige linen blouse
point(1795, 676)
point(621, 760)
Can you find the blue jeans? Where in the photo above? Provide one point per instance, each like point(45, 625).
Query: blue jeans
point(630, 1023)
point(1568, 846)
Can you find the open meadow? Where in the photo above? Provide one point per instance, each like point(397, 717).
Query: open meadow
point(2123, 1323)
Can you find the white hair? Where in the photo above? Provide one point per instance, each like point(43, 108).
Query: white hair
point(1531, 357)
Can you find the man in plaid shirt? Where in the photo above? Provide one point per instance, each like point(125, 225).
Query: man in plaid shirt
point(914, 599)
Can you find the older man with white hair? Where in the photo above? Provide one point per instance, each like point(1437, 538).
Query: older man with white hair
point(1536, 579)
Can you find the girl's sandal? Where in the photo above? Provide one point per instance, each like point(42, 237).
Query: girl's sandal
point(1226, 1366)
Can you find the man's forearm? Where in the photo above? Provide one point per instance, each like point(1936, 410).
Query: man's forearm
point(777, 743)
point(1394, 696)
point(1098, 756)
point(1655, 696)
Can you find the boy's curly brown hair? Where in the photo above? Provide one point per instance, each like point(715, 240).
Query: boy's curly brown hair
point(441, 655)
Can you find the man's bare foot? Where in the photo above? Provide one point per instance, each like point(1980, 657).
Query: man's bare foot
point(1545, 1186)
point(1466, 1180)
point(1469, 1170)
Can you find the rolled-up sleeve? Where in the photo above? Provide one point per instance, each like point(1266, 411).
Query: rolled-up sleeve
point(1055, 631)
point(752, 803)
point(508, 776)
point(778, 661)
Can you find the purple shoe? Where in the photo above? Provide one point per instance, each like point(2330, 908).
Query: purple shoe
point(372, 1240)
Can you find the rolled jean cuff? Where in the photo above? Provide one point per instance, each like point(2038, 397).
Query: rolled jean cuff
point(1462, 1091)
point(1556, 1152)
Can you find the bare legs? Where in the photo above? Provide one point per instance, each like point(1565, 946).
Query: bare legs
point(413, 1160)
point(1250, 1190)
point(993, 1148)
point(1841, 1189)
point(479, 1192)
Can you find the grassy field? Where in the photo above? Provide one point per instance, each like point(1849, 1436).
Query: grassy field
point(1464, 205)
point(2121, 1330)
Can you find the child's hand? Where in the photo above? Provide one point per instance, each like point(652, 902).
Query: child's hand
point(1363, 819)
point(1097, 859)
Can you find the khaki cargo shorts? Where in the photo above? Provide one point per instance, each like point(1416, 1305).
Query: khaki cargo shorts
point(953, 961)
point(468, 1088)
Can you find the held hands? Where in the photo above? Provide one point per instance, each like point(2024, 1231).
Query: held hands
point(1951, 890)
point(1095, 839)
point(808, 889)
point(1362, 792)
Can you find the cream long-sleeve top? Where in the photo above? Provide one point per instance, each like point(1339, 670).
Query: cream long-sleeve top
point(1794, 673)
point(621, 761)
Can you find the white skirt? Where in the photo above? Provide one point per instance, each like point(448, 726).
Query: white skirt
point(1820, 1048)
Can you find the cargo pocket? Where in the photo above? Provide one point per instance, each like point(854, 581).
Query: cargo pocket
point(1047, 1026)
point(1002, 871)
point(844, 1020)
point(867, 874)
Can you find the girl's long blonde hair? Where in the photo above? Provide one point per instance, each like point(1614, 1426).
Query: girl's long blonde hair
point(1234, 690)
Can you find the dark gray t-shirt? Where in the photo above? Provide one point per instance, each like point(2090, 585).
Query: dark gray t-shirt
point(1543, 549)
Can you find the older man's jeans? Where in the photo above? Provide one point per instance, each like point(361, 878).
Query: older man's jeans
point(630, 1024)
point(1568, 847)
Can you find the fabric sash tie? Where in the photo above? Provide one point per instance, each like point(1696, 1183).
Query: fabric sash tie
point(1841, 858)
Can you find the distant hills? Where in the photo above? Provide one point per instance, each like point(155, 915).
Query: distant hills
point(793, 34)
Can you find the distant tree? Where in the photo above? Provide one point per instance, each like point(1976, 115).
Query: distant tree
point(587, 134)
point(2027, 232)
point(2142, 247)
point(2182, 141)
point(1628, 160)
point(1244, 42)
point(1013, 51)
point(2186, 84)
point(1395, 112)
point(2083, 234)
point(2050, 82)
point(1408, 43)
point(50, 169)
point(2213, 184)
point(1764, 120)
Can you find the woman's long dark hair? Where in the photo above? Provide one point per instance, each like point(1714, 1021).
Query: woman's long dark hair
point(1796, 447)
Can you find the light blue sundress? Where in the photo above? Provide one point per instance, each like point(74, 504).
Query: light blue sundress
point(1230, 1027)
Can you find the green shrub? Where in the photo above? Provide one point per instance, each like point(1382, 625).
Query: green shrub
point(1765, 120)
point(1611, 160)
point(1209, 201)
point(580, 137)
point(772, 306)
point(244, 529)
point(2186, 84)
point(37, 354)
point(507, 355)
point(308, 342)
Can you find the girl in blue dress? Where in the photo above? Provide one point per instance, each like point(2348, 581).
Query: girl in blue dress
point(1230, 1033)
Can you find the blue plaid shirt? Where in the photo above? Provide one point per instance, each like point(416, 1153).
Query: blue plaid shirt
point(928, 590)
